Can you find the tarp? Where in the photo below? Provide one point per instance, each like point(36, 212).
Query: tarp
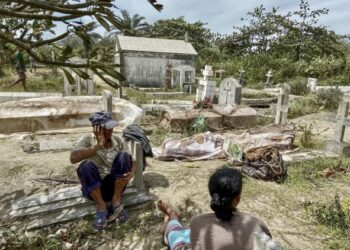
point(195, 148)
point(213, 146)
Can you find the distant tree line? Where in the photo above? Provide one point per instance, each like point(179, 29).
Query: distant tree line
point(292, 45)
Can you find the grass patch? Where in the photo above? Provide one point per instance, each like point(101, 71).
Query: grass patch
point(159, 134)
point(42, 81)
point(334, 218)
point(264, 120)
point(311, 173)
point(140, 225)
point(141, 97)
point(303, 106)
point(306, 138)
point(329, 99)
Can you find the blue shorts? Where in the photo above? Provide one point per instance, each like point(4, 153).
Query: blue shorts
point(90, 176)
point(177, 235)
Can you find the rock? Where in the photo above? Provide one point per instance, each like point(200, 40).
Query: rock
point(55, 145)
point(31, 148)
point(68, 245)
point(62, 233)
point(3, 241)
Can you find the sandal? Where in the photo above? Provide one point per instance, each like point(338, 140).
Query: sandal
point(100, 221)
point(114, 212)
point(123, 216)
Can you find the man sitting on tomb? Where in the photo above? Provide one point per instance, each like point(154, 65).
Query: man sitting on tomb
point(105, 170)
point(226, 228)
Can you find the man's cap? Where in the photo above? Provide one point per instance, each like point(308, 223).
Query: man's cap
point(104, 119)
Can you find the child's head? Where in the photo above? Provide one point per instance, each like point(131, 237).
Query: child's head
point(225, 187)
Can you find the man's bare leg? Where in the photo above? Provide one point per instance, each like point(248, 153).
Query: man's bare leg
point(119, 186)
point(24, 84)
point(97, 197)
point(14, 83)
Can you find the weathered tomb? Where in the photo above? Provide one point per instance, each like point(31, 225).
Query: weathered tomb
point(179, 120)
point(230, 92)
point(61, 113)
point(17, 96)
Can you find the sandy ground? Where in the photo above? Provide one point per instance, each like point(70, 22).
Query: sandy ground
point(177, 182)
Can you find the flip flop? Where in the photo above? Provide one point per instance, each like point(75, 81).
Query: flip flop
point(100, 222)
point(114, 212)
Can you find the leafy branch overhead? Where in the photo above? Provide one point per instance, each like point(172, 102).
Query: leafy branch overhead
point(32, 24)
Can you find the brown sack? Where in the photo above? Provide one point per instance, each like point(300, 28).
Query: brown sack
point(264, 163)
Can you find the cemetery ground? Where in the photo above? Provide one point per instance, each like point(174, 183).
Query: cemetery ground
point(302, 212)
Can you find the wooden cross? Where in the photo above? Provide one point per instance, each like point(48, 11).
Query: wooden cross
point(227, 91)
point(342, 113)
point(282, 107)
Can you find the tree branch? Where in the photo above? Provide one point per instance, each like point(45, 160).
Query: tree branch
point(27, 48)
point(49, 41)
point(38, 16)
point(54, 7)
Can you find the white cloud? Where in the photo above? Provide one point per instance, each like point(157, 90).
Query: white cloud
point(221, 15)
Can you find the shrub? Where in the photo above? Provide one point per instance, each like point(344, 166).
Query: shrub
point(302, 106)
point(335, 215)
point(306, 135)
point(298, 86)
point(329, 98)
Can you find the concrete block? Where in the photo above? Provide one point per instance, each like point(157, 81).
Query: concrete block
point(341, 148)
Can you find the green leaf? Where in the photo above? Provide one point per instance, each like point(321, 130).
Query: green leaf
point(115, 74)
point(115, 22)
point(68, 76)
point(67, 51)
point(103, 22)
point(81, 73)
point(111, 83)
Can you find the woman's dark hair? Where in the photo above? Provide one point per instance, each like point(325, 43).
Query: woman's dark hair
point(224, 185)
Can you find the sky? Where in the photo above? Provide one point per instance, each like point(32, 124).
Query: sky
point(222, 15)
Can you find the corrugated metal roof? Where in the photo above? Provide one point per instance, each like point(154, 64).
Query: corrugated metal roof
point(129, 43)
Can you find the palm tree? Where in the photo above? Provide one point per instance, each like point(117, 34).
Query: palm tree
point(131, 26)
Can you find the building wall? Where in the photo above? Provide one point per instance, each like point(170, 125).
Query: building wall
point(148, 69)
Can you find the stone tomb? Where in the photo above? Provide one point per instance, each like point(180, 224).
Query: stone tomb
point(50, 113)
point(230, 92)
point(179, 120)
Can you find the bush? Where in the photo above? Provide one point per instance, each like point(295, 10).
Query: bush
point(298, 86)
point(302, 106)
point(306, 139)
point(335, 215)
point(329, 99)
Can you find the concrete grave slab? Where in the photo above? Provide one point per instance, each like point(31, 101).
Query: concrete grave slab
point(55, 145)
point(162, 107)
point(61, 112)
point(178, 120)
point(15, 96)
